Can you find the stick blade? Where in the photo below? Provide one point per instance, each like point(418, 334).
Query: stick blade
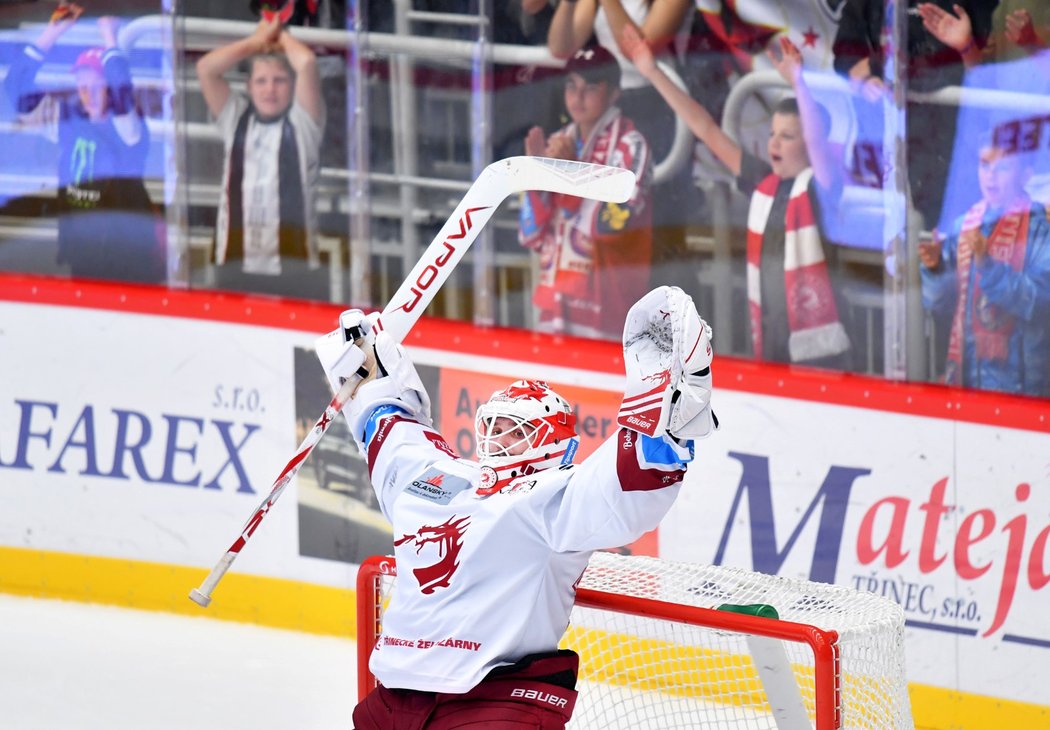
point(583, 179)
point(199, 598)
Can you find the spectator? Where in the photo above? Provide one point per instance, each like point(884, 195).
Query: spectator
point(1015, 34)
point(665, 24)
point(796, 312)
point(931, 65)
point(992, 275)
point(108, 228)
point(1014, 60)
point(266, 228)
point(594, 257)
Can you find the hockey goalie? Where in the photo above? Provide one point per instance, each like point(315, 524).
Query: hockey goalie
point(489, 551)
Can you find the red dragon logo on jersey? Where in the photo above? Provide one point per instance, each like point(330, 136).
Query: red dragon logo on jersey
point(449, 538)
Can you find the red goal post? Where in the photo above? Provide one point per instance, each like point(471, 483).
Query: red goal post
point(656, 650)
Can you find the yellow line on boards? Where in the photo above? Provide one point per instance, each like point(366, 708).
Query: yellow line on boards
point(937, 708)
point(275, 602)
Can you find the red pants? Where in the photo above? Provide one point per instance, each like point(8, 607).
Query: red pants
point(536, 692)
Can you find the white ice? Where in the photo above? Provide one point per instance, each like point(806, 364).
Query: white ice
point(79, 666)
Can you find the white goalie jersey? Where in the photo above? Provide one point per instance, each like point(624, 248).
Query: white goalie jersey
point(525, 547)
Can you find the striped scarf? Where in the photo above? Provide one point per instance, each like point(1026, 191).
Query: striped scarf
point(813, 319)
point(992, 325)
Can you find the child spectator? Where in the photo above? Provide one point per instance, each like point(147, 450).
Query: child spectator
point(266, 227)
point(992, 274)
point(108, 228)
point(796, 303)
point(594, 257)
point(931, 65)
point(666, 25)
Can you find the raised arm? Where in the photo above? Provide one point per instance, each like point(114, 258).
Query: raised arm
point(953, 30)
point(20, 84)
point(212, 67)
point(571, 27)
point(814, 132)
point(661, 22)
point(698, 119)
point(307, 80)
point(62, 19)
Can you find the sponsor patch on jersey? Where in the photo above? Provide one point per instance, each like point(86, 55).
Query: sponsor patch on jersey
point(520, 486)
point(437, 486)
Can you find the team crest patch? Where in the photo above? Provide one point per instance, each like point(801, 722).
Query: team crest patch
point(437, 486)
point(488, 477)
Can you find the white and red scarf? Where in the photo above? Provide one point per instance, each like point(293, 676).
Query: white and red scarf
point(813, 319)
point(992, 326)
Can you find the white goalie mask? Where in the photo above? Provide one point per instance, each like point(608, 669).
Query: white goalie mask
point(525, 428)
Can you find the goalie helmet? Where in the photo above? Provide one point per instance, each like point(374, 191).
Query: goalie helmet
point(543, 429)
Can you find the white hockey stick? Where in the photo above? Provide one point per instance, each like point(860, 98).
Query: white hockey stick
point(496, 182)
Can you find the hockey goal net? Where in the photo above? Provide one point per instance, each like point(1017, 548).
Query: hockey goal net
point(673, 645)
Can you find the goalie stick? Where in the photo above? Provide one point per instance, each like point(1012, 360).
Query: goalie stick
point(495, 183)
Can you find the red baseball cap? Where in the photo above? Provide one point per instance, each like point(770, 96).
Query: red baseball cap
point(91, 58)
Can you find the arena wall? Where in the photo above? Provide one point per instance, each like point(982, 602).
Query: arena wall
point(140, 427)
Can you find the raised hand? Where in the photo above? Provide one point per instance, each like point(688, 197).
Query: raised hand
point(954, 31)
point(1020, 29)
point(62, 19)
point(66, 12)
point(107, 28)
point(789, 62)
point(636, 49)
point(267, 33)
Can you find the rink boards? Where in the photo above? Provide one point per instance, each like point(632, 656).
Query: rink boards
point(139, 428)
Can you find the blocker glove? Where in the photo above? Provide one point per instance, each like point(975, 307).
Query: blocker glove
point(667, 356)
point(388, 377)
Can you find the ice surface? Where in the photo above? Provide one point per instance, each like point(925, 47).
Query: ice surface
point(66, 665)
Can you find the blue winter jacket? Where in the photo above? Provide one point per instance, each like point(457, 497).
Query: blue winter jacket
point(1025, 294)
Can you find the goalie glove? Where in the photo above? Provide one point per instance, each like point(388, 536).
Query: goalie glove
point(667, 356)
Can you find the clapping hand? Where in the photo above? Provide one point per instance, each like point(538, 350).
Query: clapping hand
point(1020, 30)
point(267, 33)
point(536, 143)
point(635, 48)
point(561, 147)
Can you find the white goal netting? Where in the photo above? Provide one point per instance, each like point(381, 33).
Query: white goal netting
point(655, 655)
point(640, 671)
